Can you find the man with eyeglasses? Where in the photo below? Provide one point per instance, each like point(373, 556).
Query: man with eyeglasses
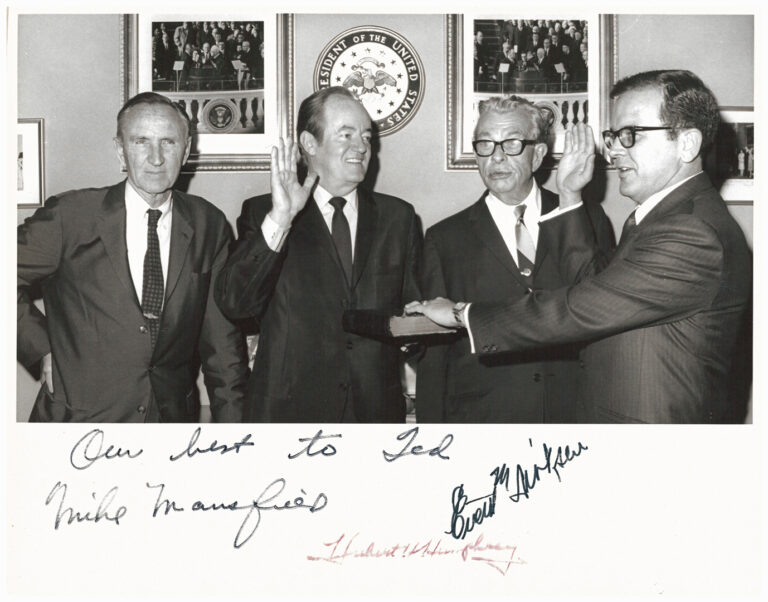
point(665, 313)
point(498, 249)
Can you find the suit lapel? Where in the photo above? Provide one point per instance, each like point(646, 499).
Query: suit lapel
point(311, 227)
point(488, 233)
point(549, 202)
point(367, 215)
point(111, 229)
point(181, 235)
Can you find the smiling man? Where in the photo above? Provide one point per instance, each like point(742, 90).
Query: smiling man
point(498, 249)
point(664, 315)
point(309, 251)
point(127, 278)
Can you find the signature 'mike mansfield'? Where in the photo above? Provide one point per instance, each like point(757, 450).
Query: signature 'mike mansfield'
point(525, 480)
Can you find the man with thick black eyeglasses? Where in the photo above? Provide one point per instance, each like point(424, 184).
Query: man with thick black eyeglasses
point(499, 248)
point(665, 314)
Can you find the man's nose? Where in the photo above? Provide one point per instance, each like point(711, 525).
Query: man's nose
point(498, 154)
point(156, 154)
point(616, 150)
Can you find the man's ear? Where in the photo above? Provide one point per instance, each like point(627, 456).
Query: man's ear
point(187, 149)
point(539, 152)
point(689, 144)
point(120, 151)
point(308, 143)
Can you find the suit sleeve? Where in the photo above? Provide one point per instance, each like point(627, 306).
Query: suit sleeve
point(581, 240)
point(411, 284)
point(222, 350)
point(248, 279)
point(39, 252)
point(432, 368)
point(671, 272)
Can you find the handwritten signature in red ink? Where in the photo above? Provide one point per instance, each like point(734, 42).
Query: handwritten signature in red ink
point(499, 557)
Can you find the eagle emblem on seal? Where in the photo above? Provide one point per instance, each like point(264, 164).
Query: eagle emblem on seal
point(363, 77)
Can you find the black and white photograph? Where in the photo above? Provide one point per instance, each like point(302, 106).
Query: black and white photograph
point(30, 163)
point(731, 160)
point(335, 305)
point(195, 61)
point(229, 72)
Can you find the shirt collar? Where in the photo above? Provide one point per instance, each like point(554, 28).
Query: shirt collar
point(323, 197)
point(646, 206)
point(532, 203)
point(136, 207)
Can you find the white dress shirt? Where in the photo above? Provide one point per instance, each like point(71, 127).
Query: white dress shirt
point(274, 234)
point(136, 220)
point(505, 218)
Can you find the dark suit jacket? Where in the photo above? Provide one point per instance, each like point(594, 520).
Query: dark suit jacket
point(305, 363)
point(466, 258)
point(104, 366)
point(664, 314)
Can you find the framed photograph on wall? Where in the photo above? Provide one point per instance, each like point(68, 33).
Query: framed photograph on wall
point(542, 57)
point(231, 72)
point(730, 162)
point(30, 163)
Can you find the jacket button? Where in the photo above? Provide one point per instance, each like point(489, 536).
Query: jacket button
point(143, 329)
point(536, 377)
point(141, 409)
point(151, 368)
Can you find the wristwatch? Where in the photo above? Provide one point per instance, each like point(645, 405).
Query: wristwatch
point(458, 313)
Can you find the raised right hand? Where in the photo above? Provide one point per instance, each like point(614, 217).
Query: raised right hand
point(288, 196)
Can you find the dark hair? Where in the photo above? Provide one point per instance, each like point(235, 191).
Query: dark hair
point(310, 118)
point(540, 116)
point(686, 101)
point(150, 99)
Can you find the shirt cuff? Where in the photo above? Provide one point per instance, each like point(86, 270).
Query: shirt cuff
point(558, 211)
point(465, 320)
point(273, 233)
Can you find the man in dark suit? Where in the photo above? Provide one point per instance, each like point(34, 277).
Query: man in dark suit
point(665, 313)
point(127, 279)
point(498, 248)
point(304, 255)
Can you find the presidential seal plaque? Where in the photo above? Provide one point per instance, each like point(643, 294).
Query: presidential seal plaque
point(380, 68)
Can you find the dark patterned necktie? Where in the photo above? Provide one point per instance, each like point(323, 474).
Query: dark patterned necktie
point(341, 235)
point(629, 226)
point(152, 286)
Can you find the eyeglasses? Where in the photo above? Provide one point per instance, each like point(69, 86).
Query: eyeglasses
point(627, 135)
point(511, 147)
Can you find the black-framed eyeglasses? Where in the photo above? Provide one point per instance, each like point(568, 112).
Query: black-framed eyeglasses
point(511, 146)
point(626, 135)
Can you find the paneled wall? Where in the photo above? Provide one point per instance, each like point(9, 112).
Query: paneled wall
point(78, 94)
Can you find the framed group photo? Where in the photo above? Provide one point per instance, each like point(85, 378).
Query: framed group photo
point(544, 58)
point(231, 73)
point(30, 163)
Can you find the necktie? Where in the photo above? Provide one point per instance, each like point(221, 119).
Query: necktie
point(629, 226)
point(526, 250)
point(341, 235)
point(152, 285)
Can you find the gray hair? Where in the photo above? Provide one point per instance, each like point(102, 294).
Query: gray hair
point(540, 117)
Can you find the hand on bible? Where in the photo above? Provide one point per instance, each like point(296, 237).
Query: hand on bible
point(439, 310)
point(288, 196)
